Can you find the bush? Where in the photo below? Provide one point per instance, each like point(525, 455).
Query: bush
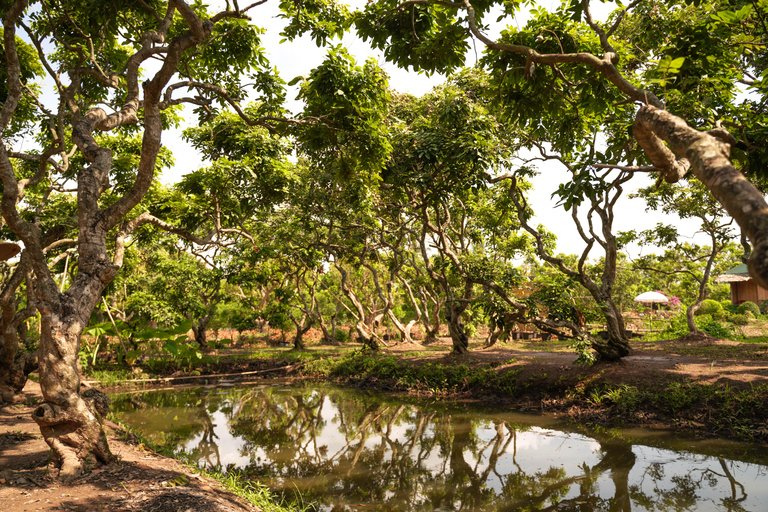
point(763, 305)
point(711, 326)
point(738, 319)
point(344, 336)
point(711, 307)
point(749, 307)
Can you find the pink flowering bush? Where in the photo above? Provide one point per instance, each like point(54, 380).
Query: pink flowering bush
point(672, 302)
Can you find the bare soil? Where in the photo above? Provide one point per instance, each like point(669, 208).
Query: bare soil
point(143, 480)
point(719, 362)
point(139, 480)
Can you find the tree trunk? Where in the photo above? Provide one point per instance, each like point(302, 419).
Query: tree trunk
point(430, 320)
point(71, 423)
point(690, 313)
point(617, 345)
point(493, 336)
point(199, 330)
point(15, 366)
point(301, 329)
point(404, 330)
point(329, 336)
point(456, 327)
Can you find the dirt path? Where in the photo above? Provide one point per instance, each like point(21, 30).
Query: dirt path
point(663, 361)
point(140, 480)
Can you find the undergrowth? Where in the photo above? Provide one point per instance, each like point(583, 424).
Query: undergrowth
point(398, 373)
point(738, 413)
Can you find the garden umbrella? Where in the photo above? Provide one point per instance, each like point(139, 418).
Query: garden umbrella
point(8, 250)
point(652, 298)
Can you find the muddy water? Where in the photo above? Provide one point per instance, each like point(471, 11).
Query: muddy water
point(345, 450)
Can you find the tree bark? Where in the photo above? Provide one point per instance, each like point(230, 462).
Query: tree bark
point(617, 345)
point(15, 365)
point(302, 328)
point(199, 330)
point(709, 158)
point(453, 312)
point(71, 423)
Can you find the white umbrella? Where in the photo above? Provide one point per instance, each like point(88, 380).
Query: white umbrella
point(8, 250)
point(652, 298)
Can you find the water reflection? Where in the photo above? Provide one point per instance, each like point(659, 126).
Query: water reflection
point(351, 451)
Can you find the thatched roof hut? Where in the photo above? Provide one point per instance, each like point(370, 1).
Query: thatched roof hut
point(743, 287)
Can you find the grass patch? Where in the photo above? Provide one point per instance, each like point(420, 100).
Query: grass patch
point(400, 374)
point(718, 352)
point(113, 376)
point(735, 412)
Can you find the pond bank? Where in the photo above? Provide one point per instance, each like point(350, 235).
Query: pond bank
point(710, 387)
point(724, 398)
point(139, 479)
point(659, 385)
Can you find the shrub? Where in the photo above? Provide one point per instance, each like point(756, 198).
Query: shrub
point(763, 305)
point(749, 307)
point(738, 319)
point(344, 336)
point(713, 308)
point(711, 326)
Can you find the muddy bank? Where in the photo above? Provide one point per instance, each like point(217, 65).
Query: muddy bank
point(139, 479)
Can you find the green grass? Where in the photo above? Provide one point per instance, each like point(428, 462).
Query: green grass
point(107, 377)
point(734, 412)
point(254, 493)
point(398, 373)
point(719, 352)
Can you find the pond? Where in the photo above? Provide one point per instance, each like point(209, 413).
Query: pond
point(345, 450)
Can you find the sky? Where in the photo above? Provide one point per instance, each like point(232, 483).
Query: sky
point(298, 58)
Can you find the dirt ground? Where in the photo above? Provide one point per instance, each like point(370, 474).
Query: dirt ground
point(647, 362)
point(142, 480)
point(139, 480)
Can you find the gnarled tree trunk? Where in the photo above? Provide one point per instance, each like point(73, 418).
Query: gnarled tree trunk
point(71, 422)
point(199, 329)
point(302, 327)
point(617, 345)
point(453, 312)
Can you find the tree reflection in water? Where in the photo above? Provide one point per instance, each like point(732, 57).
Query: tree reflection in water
point(357, 452)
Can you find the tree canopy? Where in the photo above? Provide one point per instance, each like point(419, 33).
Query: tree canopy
point(418, 205)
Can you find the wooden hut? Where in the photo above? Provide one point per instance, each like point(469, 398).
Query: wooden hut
point(743, 287)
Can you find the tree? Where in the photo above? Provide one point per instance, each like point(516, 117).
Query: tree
point(179, 286)
point(446, 144)
point(105, 53)
point(547, 74)
point(691, 201)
